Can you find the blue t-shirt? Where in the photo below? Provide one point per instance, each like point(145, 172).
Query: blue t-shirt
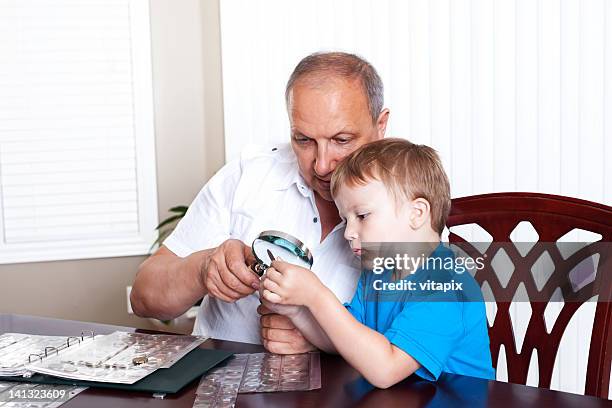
point(443, 331)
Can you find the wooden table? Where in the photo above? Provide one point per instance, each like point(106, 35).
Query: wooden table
point(342, 385)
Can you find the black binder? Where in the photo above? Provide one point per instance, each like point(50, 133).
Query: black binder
point(164, 380)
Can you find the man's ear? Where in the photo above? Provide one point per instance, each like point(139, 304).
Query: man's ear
point(420, 213)
point(381, 123)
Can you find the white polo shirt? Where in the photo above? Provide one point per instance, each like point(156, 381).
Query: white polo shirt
point(261, 191)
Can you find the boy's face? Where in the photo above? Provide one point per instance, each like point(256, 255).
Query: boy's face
point(372, 215)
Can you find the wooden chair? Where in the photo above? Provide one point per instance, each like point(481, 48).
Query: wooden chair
point(552, 217)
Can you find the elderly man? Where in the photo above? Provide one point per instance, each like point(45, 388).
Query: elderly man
point(335, 104)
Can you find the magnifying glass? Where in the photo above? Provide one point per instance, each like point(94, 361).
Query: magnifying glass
point(270, 245)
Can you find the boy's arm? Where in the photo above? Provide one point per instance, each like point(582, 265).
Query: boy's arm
point(370, 352)
point(305, 322)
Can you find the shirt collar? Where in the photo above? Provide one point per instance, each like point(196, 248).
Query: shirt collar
point(288, 175)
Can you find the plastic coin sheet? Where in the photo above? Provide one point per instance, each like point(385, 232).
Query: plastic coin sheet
point(219, 387)
point(119, 357)
point(17, 349)
point(258, 372)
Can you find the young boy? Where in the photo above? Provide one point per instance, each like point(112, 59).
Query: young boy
point(389, 191)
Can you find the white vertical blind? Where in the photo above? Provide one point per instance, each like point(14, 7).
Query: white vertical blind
point(516, 95)
point(77, 173)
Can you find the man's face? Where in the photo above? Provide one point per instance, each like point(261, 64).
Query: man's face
point(328, 122)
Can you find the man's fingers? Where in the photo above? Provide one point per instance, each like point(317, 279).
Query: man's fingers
point(248, 255)
point(238, 264)
point(287, 348)
point(262, 310)
point(215, 292)
point(276, 321)
point(277, 348)
point(282, 335)
point(231, 281)
point(213, 277)
point(212, 284)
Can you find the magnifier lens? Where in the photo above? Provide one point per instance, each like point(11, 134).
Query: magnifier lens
point(282, 245)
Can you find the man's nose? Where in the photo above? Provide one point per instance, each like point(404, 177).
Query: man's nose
point(324, 162)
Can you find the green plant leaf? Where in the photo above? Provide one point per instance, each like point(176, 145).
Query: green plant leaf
point(163, 233)
point(169, 220)
point(179, 209)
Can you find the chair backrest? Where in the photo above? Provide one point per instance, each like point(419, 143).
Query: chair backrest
point(552, 217)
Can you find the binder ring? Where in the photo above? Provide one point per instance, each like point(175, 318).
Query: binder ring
point(33, 354)
point(91, 334)
point(50, 348)
point(72, 337)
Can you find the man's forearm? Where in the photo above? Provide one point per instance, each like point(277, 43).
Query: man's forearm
point(167, 285)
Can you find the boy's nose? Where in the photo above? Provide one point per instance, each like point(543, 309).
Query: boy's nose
point(350, 234)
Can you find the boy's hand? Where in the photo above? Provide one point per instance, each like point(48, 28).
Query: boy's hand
point(289, 284)
point(290, 311)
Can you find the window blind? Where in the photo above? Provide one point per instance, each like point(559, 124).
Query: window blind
point(77, 172)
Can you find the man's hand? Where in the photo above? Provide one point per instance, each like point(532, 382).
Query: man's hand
point(225, 273)
point(279, 335)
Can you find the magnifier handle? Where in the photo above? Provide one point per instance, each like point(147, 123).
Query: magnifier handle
point(258, 268)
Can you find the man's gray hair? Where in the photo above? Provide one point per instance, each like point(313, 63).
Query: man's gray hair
point(342, 65)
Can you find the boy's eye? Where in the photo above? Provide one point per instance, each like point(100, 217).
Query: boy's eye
point(362, 216)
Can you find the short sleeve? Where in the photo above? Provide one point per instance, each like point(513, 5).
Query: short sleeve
point(428, 332)
point(356, 306)
point(207, 221)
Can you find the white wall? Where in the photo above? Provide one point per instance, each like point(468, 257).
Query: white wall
point(516, 95)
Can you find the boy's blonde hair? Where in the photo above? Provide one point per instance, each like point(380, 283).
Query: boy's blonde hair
point(409, 171)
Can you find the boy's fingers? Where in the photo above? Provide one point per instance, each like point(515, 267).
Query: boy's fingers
point(271, 297)
point(271, 286)
point(279, 264)
point(273, 275)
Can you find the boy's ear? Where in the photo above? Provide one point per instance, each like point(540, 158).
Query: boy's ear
point(420, 213)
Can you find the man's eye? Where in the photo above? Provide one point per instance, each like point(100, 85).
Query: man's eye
point(342, 141)
point(301, 139)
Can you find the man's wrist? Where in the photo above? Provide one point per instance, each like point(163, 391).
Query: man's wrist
point(198, 264)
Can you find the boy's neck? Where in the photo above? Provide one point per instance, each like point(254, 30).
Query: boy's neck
point(427, 234)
